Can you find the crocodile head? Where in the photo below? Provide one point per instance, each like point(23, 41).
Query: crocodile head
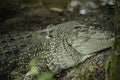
point(88, 40)
point(84, 38)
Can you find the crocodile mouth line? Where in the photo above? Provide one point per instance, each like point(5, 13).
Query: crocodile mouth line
point(104, 39)
point(78, 42)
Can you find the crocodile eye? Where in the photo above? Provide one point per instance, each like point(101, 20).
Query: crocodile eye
point(76, 27)
point(80, 28)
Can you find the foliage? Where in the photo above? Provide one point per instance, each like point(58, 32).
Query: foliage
point(45, 76)
point(87, 72)
point(107, 68)
point(81, 76)
point(115, 61)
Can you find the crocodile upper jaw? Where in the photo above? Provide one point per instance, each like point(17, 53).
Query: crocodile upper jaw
point(92, 45)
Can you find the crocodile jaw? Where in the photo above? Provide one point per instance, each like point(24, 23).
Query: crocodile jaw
point(92, 45)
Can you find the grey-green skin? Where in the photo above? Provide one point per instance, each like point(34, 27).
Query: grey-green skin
point(51, 50)
point(68, 45)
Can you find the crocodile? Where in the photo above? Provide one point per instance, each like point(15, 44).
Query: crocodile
point(56, 48)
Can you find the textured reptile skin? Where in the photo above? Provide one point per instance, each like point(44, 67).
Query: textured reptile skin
point(53, 49)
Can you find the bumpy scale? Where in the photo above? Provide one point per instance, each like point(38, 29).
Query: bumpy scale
point(50, 50)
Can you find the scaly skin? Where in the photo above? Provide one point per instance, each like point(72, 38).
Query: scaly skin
point(53, 49)
point(17, 50)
